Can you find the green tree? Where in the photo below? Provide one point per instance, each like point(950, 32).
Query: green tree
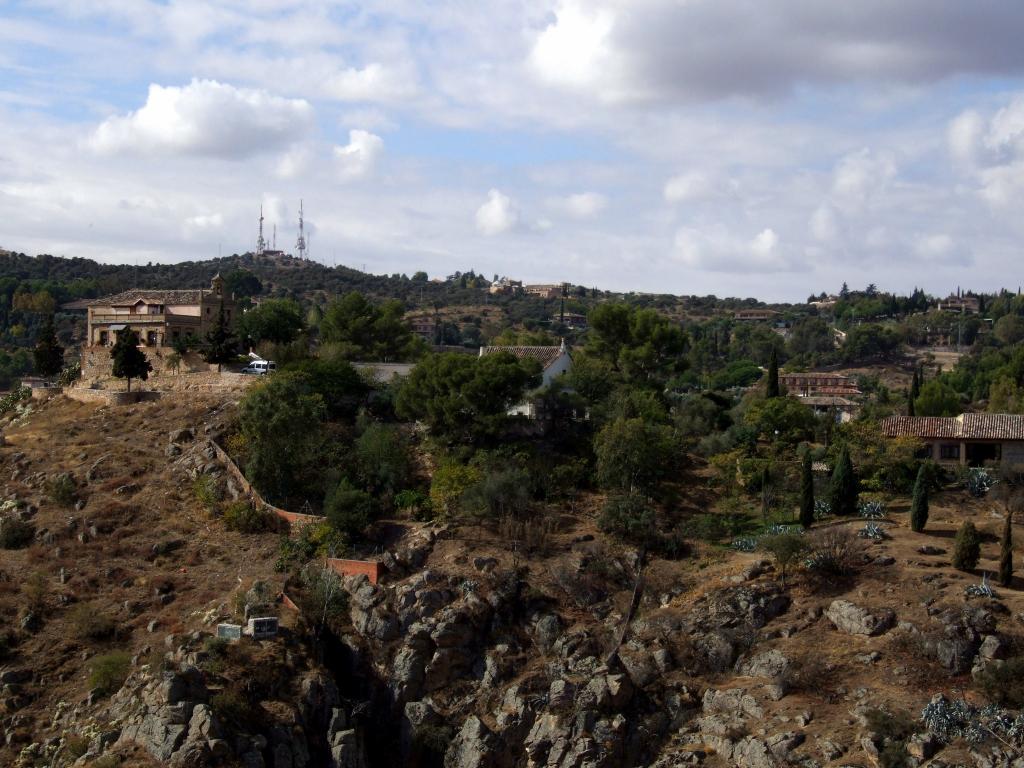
point(382, 457)
point(786, 549)
point(1006, 552)
point(1009, 329)
point(966, 547)
point(281, 421)
point(812, 338)
point(220, 344)
point(465, 399)
point(498, 493)
point(629, 516)
point(919, 503)
point(241, 283)
point(128, 361)
point(450, 481)
point(366, 331)
point(1005, 396)
point(843, 489)
point(937, 399)
point(806, 491)
point(278, 321)
point(781, 419)
point(773, 375)
point(634, 457)
point(348, 509)
point(48, 355)
point(336, 381)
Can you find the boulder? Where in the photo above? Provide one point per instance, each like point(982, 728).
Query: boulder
point(770, 664)
point(472, 747)
point(854, 620)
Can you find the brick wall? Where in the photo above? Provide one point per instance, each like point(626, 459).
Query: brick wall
point(371, 568)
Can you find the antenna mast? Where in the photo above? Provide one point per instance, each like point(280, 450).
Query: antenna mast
point(273, 240)
point(261, 244)
point(300, 244)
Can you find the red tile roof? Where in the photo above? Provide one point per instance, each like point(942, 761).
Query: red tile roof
point(966, 426)
point(128, 298)
point(543, 355)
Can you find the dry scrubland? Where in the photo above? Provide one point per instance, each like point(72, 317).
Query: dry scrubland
point(141, 552)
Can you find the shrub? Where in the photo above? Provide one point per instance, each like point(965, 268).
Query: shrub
point(324, 597)
point(314, 540)
point(15, 533)
point(416, 504)
point(108, 672)
point(61, 490)
point(966, 547)
point(786, 549)
point(448, 484)
point(88, 622)
point(206, 491)
point(1003, 683)
point(629, 516)
point(233, 706)
point(497, 494)
point(243, 517)
point(919, 503)
point(833, 551)
point(76, 745)
point(348, 509)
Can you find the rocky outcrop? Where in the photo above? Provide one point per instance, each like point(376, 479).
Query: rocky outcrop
point(854, 620)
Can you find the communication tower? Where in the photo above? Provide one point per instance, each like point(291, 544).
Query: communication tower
point(261, 243)
point(300, 244)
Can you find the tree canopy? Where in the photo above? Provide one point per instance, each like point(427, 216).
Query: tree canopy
point(127, 360)
point(278, 321)
point(367, 331)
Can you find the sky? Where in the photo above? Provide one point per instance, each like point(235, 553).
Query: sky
point(734, 147)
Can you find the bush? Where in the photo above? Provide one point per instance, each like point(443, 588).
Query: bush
point(315, 540)
point(61, 490)
point(324, 598)
point(15, 533)
point(786, 549)
point(233, 706)
point(416, 504)
point(833, 551)
point(448, 484)
point(108, 672)
point(630, 517)
point(206, 491)
point(348, 509)
point(243, 517)
point(1003, 683)
point(88, 622)
point(966, 547)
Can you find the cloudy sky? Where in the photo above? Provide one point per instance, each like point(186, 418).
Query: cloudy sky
point(734, 147)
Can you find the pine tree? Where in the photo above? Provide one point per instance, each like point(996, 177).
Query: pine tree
point(807, 492)
point(843, 490)
point(220, 343)
point(128, 361)
point(48, 355)
point(1006, 552)
point(773, 374)
point(919, 504)
point(966, 547)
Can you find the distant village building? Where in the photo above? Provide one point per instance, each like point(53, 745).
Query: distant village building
point(571, 320)
point(755, 315)
point(842, 408)
point(809, 384)
point(974, 439)
point(158, 317)
point(968, 305)
point(506, 286)
point(424, 327)
point(547, 291)
point(554, 361)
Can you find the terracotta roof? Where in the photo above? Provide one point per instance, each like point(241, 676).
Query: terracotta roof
point(966, 426)
point(838, 402)
point(543, 355)
point(133, 296)
point(815, 375)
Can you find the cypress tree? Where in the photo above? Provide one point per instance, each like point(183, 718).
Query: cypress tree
point(127, 360)
point(910, 403)
point(966, 547)
point(915, 391)
point(843, 491)
point(773, 375)
point(919, 504)
point(806, 492)
point(220, 343)
point(1006, 552)
point(48, 355)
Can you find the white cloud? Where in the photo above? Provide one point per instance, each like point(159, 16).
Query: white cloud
point(824, 225)
point(718, 250)
point(583, 205)
point(687, 187)
point(499, 214)
point(861, 175)
point(206, 118)
point(964, 136)
point(574, 49)
point(357, 158)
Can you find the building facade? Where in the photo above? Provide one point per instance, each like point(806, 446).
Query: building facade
point(973, 439)
point(160, 318)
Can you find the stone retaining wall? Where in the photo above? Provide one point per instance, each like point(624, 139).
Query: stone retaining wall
point(109, 396)
point(371, 568)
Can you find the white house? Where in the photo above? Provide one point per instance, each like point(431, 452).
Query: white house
point(555, 362)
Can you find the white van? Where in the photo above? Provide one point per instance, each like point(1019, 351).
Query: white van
point(260, 367)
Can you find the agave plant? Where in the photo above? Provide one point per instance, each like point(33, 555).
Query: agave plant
point(779, 529)
point(822, 509)
point(745, 544)
point(871, 531)
point(980, 590)
point(979, 481)
point(872, 510)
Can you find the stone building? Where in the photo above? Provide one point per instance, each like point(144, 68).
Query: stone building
point(974, 439)
point(159, 317)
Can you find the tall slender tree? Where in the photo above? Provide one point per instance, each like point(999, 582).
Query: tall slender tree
point(127, 360)
point(48, 355)
point(220, 343)
point(1006, 552)
point(773, 374)
point(919, 503)
point(843, 489)
point(807, 491)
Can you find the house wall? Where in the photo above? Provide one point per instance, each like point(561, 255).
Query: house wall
point(189, 310)
point(1013, 452)
point(561, 366)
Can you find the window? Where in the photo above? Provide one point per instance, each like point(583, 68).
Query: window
point(949, 451)
point(104, 338)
